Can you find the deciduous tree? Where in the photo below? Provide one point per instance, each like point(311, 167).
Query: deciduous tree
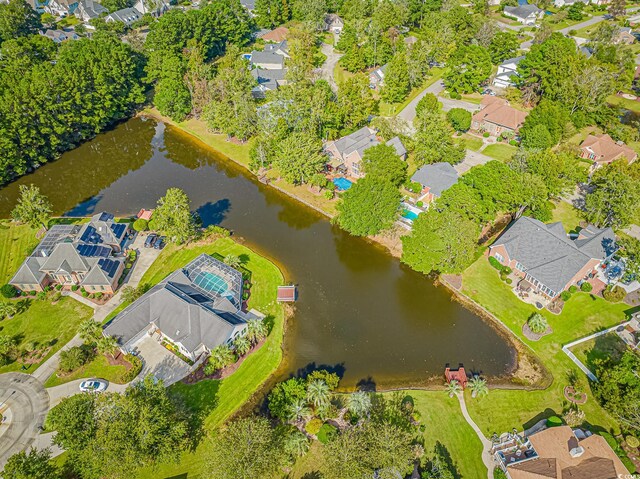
point(468, 67)
point(34, 465)
point(32, 208)
point(298, 157)
point(382, 162)
point(173, 216)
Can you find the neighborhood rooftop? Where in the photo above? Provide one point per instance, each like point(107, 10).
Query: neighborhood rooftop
point(363, 139)
point(438, 177)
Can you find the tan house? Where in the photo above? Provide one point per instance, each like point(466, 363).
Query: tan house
point(497, 116)
point(276, 35)
point(624, 36)
point(346, 153)
point(602, 150)
point(546, 259)
point(559, 453)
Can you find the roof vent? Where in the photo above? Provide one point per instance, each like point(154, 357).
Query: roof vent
point(178, 333)
point(577, 451)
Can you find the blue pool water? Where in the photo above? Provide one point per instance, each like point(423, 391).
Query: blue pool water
point(342, 184)
point(410, 215)
point(211, 282)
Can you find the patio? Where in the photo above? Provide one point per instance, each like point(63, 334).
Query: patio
point(527, 293)
point(630, 332)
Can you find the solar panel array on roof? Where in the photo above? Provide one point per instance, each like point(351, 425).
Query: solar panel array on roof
point(104, 216)
point(90, 235)
point(93, 250)
point(55, 235)
point(109, 266)
point(118, 228)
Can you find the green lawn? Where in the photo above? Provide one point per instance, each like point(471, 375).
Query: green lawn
point(215, 401)
point(472, 142)
point(340, 74)
point(603, 347)
point(99, 367)
point(583, 314)
point(500, 151)
point(16, 243)
point(618, 101)
point(46, 324)
point(390, 109)
point(568, 215)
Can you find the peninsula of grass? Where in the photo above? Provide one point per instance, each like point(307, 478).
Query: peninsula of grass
point(214, 401)
point(583, 314)
point(98, 367)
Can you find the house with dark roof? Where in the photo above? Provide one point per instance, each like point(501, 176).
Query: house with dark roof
point(84, 255)
point(546, 259)
point(268, 80)
point(272, 57)
point(346, 153)
point(128, 16)
point(434, 179)
point(195, 308)
point(89, 9)
point(526, 14)
point(59, 36)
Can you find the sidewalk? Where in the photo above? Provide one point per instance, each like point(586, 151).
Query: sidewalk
point(486, 444)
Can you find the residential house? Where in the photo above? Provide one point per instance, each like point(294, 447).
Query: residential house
point(507, 70)
point(624, 36)
point(61, 8)
point(87, 255)
point(568, 3)
point(602, 150)
point(59, 36)
point(434, 179)
point(195, 308)
point(346, 153)
point(376, 77)
point(272, 57)
point(526, 14)
point(268, 80)
point(155, 7)
point(333, 23)
point(250, 5)
point(89, 9)
point(547, 259)
point(280, 48)
point(276, 35)
point(558, 453)
point(128, 16)
point(493, 3)
point(634, 20)
point(496, 116)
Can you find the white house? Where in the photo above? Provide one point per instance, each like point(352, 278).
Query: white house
point(526, 14)
point(568, 3)
point(88, 9)
point(126, 15)
point(507, 70)
point(333, 23)
point(154, 7)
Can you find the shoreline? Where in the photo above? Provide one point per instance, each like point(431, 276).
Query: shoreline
point(525, 356)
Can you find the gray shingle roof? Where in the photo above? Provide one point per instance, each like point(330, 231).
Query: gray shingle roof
point(29, 272)
point(67, 255)
point(363, 139)
point(438, 177)
point(549, 255)
point(522, 11)
point(267, 58)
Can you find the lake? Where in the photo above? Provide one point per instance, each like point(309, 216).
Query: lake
point(359, 309)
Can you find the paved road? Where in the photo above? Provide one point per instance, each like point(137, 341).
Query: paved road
point(327, 68)
point(592, 21)
point(58, 393)
point(408, 114)
point(26, 402)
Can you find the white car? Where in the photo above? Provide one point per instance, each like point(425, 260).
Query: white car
point(93, 386)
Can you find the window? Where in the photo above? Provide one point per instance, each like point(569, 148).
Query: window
point(499, 257)
point(519, 266)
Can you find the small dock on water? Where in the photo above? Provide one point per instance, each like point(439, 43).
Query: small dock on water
point(287, 294)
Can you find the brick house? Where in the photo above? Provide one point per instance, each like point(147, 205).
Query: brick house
point(434, 179)
point(496, 116)
point(546, 258)
point(602, 150)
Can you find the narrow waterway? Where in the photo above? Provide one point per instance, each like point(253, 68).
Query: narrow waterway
point(359, 309)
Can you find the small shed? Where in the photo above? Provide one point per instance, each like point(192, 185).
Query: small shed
point(144, 214)
point(459, 375)
point(287, 294)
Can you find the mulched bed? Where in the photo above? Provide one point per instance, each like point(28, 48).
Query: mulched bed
point(34, 356)
point(119, 360)
point(571, 395)
point(632, 453)
point(556, 306)
point(531, 336)
point(199, 375)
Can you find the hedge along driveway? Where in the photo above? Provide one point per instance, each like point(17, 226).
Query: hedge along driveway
point(215, 401)
point(582, 315)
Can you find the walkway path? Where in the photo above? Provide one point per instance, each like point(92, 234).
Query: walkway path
point(486, 444)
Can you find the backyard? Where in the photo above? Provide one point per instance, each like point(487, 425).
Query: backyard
point(568, 215)
point(500, 151)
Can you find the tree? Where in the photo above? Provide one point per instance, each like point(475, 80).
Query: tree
point(34, 465)
point(428, 104)
point(553, 117)
point(355, 101)
point(618, 8)
point(114, 5)
point(453, 388)
point(246, 448)
point(440, 241)
point(478, 386)
point(141, 225)
point(284, 394)
point(32, 208)
point(359, 403)
point(107, 345)
point(221, 356)
point(459, 118)
point(382, 162)
point(17, 19)
point(173, 217)
point(232, 260)
point(298, 410)
point(537, 138)
point(7, 309)
point(74, 421)
point(537, 323)
point(318, 393)
point(560, 170)
point(575, 11)
point(396, 80)
point(296, 444)
point(171, 97)
point(467, 69)
point(433, 142)
point(72, 358)
point(90, 330)
point(299, 157)
point(368, 207)
point(503, 45)
point(241, 345)
point(256, 330)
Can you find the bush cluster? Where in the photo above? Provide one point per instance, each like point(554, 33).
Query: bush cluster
point(136, 364)
point(614, 294)
point(586, 287)
point(8, 291)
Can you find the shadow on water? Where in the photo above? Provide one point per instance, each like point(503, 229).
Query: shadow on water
point(214, 213)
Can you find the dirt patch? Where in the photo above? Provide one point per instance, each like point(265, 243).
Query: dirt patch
point(454, 280)
point(34, 356)
point(118, 360)
point(392, 240)
point(531, 336)
point(571, 395)
point(555, 306)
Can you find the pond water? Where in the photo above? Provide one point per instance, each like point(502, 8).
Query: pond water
point(359, 309)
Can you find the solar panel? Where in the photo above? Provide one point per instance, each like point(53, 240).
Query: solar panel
point(55, 235)
point(109, 266)
point(91, 250)
point(118, 228)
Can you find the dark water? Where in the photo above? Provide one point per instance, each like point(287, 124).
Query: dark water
point(359, 308)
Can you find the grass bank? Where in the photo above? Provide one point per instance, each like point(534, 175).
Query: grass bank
point(98, 367)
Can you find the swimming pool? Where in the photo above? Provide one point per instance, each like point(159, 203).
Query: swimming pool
point(410, 215)
point(409, 212)
point(342, 184)
point(211, 282)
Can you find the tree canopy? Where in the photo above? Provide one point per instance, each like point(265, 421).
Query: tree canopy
point(467, 68)
point(33, 207)
point(173, 216)
point(382, 162)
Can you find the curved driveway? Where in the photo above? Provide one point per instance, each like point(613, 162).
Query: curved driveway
point(27, 401)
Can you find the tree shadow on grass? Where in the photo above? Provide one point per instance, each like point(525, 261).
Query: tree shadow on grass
point(197, 401)
point(547, 413)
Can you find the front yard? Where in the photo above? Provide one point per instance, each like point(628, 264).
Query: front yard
point(500, 151)
point(99, 367)
point(582, 315)
point(568, 215)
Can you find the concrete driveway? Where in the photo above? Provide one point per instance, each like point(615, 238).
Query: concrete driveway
point(408, 114)
point(160, 362)
point(24, 402)
point(327, 68)
point(472, 159)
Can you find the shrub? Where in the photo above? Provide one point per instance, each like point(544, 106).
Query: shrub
point(586, 287)
point(8, 291)
point(495, 263)
point(554, 421)
point(98, 295)
point(486, 134)
point(572, 32)
point(574, 417)
point(58, 287)
point(33, 292)
point(136, 364)
point(72, 358)
point(85, 294)
point(507, 270)
point(499, 474)
point(140, 225)
point(331, 186)
point(327, 432)
point(75, 287)
point(537, 323)
point(328, 194)
point(313, 426)
point(614, 294)
point(565, 296)
point(42, 295)
point(508, 280)
point(419, 204)
point(573, 289)
point(56, 297)
point(513, 143)
point(632, 441)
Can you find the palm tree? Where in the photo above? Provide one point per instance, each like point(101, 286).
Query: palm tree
point(107, 345)
point(359, 403)
point(7, 343)
point(242, 345)
point(221, 356)
point(256, 330)
point(318, 393)
point(453, 388)
point(296, 444)
point(478, 386)
point(537, 323)
point(7, 309)
point(233, 260)
point(90, 330)
point(298, 410)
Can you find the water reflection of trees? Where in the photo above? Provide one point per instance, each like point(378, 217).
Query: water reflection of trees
point(83, 172)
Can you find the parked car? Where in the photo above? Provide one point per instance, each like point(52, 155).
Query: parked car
point(151, 239)
point(159, 244)
point(488, 91)
point(93, 386)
